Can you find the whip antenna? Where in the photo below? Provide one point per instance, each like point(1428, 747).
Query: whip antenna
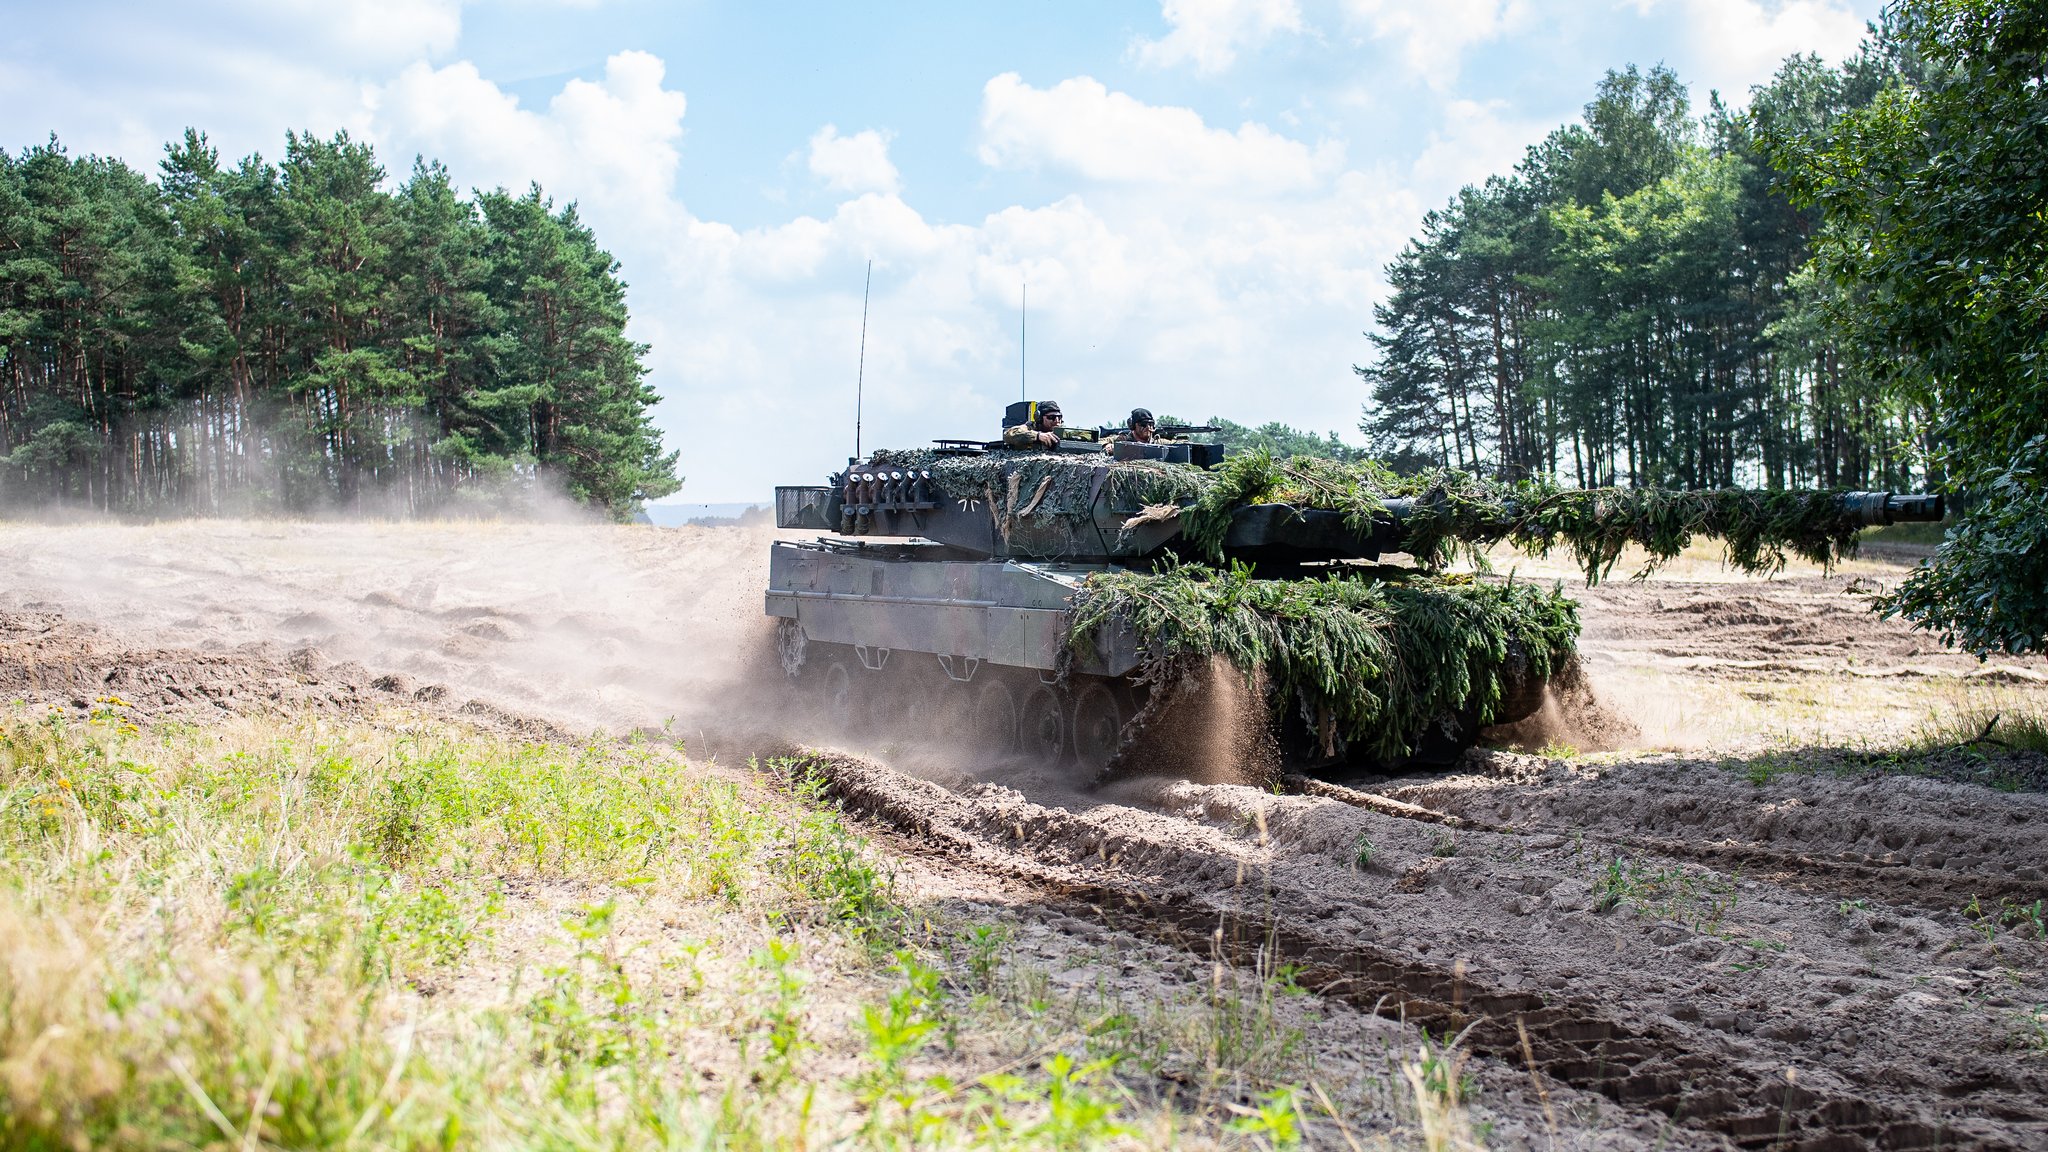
point(860, 376)
point(1023, 348)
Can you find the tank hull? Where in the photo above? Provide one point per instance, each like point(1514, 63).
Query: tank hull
point(893, 643)
point(889, 597)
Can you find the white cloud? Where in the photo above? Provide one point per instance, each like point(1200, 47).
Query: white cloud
point(364, 31)
point(133, 76)
point(856, 163)
point(1081, 127)
point(1474, 140)
point(1207, 33)
point(612, 141)
point(1434, 34)
point(1737, 43)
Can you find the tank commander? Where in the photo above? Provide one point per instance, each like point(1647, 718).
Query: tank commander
point(1042, 432)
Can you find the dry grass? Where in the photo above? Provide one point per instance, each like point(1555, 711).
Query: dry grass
point(297, 933)
point(1681, 711)
point(1704, 560)
point(2013, 724)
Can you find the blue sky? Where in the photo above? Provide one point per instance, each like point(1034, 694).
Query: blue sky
point(1202, 193)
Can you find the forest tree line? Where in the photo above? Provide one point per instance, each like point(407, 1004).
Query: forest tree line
point(1632, 305)
point(255, 338)
point(1844, 285)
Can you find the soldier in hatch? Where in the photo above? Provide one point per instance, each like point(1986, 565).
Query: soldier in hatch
point(1042, 432)
point(1143, 428)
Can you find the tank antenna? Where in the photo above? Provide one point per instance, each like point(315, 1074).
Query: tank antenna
point(1023, 348)
point(860, 376)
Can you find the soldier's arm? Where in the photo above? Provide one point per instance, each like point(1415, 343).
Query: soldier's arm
point(1020, 436)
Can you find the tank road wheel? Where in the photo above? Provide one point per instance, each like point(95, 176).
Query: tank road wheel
point(1098, 726)
point(1042, 726)
point(911, 706)
point(994, 722)
point(839, 696)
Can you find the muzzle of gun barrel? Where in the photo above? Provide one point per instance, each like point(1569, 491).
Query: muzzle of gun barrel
point(1895, 507)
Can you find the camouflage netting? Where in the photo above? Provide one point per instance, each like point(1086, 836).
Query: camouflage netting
point(1373, 661)
point(1052, 492)
point(1369, 659)
point(1045, 503)
point(1055, 483)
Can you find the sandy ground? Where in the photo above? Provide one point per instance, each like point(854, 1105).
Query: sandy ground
point(1745, 927)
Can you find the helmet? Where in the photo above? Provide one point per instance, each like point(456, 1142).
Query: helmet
point(1049, 408)
point(1142, 416)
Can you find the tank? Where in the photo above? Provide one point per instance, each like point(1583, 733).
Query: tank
point(1052, 603)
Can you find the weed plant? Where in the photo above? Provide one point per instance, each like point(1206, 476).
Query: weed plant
point(2021, 919)
point(2030, 1029)
point(2007, 729)
point(1700, 901)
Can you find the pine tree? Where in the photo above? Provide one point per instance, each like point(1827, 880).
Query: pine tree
point(294, 337)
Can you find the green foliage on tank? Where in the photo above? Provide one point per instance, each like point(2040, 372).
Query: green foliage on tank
point(1373, 660)
point(1442, 509)
point(1451, 508)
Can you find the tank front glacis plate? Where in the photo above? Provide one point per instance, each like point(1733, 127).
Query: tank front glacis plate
point(1003, 612)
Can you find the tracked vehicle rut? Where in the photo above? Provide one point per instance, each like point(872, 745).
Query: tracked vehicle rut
point(1594, 1009)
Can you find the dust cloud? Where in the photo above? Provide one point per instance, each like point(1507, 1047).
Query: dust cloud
point(1211, 728)
point(1574, 714)
point(584, 626)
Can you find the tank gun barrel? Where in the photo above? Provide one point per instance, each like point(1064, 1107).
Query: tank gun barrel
point(1042, 504)
point(1283, 532)
point(1870, 507)
point(1875, 508)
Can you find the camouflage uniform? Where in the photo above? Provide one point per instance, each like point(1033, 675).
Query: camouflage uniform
point(1021, 436)
point(1139, 415)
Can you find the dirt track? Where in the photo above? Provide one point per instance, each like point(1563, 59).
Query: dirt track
point(1769, 946)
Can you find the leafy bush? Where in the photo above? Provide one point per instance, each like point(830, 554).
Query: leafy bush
point(1933, 238)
